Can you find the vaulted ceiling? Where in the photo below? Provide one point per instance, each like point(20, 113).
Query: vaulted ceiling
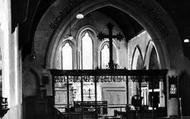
point(27, 14)
point(129, 26)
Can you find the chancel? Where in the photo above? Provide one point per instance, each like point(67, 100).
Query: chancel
point(101, 59)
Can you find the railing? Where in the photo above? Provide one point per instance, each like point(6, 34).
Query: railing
point(64, 77)
point(106, 75)
point(108, 72)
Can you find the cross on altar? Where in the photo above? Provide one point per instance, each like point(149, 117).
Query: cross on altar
point(110, 36)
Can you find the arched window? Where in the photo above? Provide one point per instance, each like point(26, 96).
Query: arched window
point(67, 59)
point(104, 56)
point(154, 61)
point(87, 51)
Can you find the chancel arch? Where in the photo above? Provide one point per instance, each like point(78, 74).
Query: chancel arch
point(147, 16)
point(157, 32)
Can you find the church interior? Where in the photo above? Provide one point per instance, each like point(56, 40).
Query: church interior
point(101, 59)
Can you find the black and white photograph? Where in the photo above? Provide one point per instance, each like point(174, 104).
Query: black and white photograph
point(94, 59)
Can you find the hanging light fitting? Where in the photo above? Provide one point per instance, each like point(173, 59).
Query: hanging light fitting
point(79, 16)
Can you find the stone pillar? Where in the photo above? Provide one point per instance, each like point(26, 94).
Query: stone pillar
point(11, 66)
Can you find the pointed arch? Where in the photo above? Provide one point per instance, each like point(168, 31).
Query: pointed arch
point(157, 26)
point(152, 56)
point(104, 57)
point(115, 52)
point(67, 56)
point(86, 51)
point(86, 38)
point(154, 62)
point(137, 59)
point(66, 47)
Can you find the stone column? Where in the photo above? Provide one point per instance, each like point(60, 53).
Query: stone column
point(11, 66)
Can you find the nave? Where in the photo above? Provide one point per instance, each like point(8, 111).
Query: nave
point(87, 59)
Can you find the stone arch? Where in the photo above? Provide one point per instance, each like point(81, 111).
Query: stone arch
point(149, 50)
point(148, 13)
point(137, 59)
